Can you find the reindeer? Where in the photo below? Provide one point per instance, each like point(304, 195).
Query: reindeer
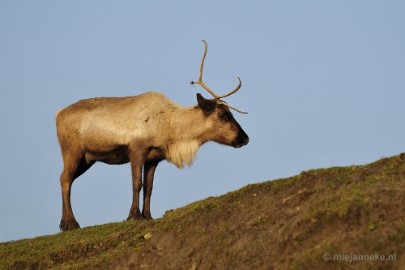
point(142, 130)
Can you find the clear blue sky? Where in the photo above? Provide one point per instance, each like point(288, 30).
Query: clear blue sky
point(324, 85)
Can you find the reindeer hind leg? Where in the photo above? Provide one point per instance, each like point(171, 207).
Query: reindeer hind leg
point(74, 166)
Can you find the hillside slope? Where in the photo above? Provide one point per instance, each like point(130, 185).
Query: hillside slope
point(339, 218)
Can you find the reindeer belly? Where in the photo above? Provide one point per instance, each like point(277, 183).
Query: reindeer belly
point(106, 145)
point(117, 155)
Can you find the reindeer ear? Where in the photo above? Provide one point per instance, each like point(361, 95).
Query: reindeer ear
point(205, 104)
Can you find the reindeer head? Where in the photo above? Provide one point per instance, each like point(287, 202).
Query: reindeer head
point(224, 128)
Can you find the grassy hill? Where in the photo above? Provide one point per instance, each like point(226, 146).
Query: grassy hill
point(336, 218)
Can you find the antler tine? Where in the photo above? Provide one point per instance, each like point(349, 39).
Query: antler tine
point(231, 107)
point(234, 90)
point(200, 81)
point(203, 60)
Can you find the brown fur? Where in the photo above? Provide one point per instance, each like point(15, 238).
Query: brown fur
point(143, 130)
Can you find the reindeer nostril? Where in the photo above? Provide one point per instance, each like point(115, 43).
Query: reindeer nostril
point(242, 141)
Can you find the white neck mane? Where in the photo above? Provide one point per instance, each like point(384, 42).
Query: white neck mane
point(185, 135)
point(182, 153)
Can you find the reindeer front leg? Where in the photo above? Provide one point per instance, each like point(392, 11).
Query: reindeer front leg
point(137, 159)
point(148, 174)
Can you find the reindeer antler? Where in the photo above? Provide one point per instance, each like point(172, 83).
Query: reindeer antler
point(203, 85)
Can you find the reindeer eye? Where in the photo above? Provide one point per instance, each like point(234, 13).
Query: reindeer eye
point(223, 116)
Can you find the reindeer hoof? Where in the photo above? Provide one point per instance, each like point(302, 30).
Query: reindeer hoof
point(68, 225)
point(147, 216)
point(136, 216)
